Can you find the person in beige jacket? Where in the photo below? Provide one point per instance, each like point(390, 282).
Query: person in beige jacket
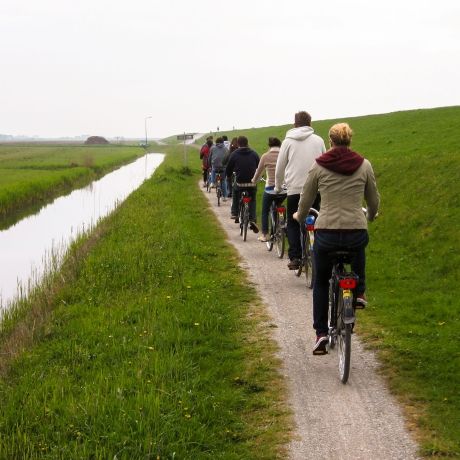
point(344, 179)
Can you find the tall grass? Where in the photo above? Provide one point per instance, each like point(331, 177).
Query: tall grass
point(155, 346)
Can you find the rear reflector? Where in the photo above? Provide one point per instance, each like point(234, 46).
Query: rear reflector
point(246, 199)
point(347, 283)
point(282, 209)
point(310, 228)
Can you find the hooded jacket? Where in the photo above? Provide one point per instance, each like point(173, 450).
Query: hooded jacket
point(216, 156)
point(243, 162)
point(343, 178)
point(297, 153)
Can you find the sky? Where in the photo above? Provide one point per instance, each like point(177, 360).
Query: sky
point(101, 67)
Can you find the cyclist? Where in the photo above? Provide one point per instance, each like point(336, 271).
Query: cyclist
point(267, 163)
point(343, 178)
point(232, 148)
point(243, 162)
point(216, 157)
point(204, 156)
point(297, 154)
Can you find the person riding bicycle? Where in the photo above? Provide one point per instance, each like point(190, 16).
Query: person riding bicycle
point(216, 157)
point(243, 162)
point(297, 153)
point(268, 163)
point(343, 178)
point(204, 156)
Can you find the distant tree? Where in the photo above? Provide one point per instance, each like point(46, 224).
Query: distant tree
point(96, 140)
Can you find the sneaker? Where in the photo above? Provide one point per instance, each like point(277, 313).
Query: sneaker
point(253, 226)
point(264, 238)
point(237, 220)
point(224, 199)
point(294, 264)
point(211, 185)
point(233, 217)
point(320, 347)
point(361, 301)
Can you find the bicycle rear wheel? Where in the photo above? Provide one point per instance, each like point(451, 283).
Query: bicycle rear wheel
point(303, 242)
point(344, 344)
point(219, 194)
point(245, 221)
point(271, 230)
point(308, 262)
point(280, 240)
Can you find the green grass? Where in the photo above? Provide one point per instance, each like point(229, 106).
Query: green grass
point(32, 174)
point(155, 346)
point(413, 262)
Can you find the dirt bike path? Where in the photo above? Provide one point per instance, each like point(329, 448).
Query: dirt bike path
point(359, 420)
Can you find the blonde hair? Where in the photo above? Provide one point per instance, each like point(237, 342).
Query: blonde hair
point(340, 134)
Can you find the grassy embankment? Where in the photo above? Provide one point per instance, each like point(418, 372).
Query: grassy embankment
point(413, 316)
point(31, 174)
point(152, 346)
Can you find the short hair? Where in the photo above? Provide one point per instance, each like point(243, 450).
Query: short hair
point(242, 141)
point(219, 140)
point(209, 138)
point(224, 138)
point(302, 119)
point(340, 134)
point(274, 142)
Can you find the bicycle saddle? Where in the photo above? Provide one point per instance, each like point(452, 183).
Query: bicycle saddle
point(342, 256)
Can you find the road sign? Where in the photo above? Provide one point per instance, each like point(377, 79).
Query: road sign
point(185, 137)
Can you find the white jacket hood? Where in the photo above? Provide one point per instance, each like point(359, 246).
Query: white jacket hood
point(300, 134)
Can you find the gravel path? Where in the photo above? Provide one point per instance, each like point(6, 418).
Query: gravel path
point(359, 420)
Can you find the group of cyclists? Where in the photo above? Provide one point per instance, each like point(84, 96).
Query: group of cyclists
point(334, 181)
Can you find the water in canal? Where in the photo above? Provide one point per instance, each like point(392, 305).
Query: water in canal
point(25, 247)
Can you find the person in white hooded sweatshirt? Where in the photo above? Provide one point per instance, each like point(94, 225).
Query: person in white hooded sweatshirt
point(298, 152)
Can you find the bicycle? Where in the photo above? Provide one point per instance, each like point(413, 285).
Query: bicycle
point(307, 235)
point(342, 304)
point(277, 224)
point(208, 181)
point(243, 215)
point(219, 185)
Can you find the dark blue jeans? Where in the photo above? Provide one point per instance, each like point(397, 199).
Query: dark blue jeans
point(267, 201)
point(327, 241)
point(236, 193)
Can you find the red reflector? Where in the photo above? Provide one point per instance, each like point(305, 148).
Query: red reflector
point(282, 209)
point(310, 228)
point(347, 283)
point(246, 199)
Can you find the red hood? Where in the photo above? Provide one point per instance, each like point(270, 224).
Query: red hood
point(341, 160)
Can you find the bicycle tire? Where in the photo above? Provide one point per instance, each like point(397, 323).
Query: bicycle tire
point(271, 230)
point(245, 221)
point(344, 345)
point(332, 320)
point(280, 241)
point(303, 257)
point(219, 193)
point(308, 263)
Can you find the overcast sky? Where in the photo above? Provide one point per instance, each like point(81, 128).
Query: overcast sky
point(100, 67)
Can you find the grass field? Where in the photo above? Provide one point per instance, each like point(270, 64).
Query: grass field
point(413, 262)
point(155, 346)
point(148, 350)
point(31, 174)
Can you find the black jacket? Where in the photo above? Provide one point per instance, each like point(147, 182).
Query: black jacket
point(243, 162)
